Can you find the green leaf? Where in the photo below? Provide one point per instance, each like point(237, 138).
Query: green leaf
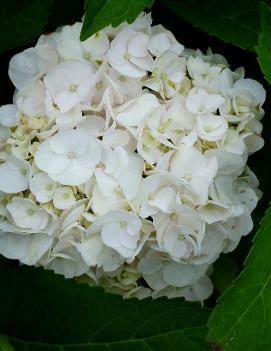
point(225, 270)
point(4, 344)
point(42, 311)
point(264, 42)
point(101, 13)
point(236, 22)
point(21, 21)
point(242, 318)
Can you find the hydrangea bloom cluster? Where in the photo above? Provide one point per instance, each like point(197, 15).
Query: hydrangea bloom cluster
point(123, 159)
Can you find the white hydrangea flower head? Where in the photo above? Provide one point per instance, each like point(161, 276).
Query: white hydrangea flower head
point(123, 159)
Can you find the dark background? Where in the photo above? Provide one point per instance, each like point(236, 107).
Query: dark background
point(68, 11)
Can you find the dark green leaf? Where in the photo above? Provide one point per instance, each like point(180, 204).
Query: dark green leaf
point(101, 13)
point(242, 318)
point(264, 42)
point(21, 21)
point(237, 22)
point(42, 311)
point(225, 270)
point(4, 344)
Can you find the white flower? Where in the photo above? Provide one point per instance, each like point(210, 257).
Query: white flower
point(30, 64)
point(158, 193)
point(253, 142)
point(69, 83)
point(128, 87)
point(119, 138)
point(123, 159)
point(65, 258)
point(178, 242)
point(233, 229)
point(119, 168)
point(211, 127)
point(195, 169)
point(247, 195)
point(92, 125)
point(66, 120)
point(128, 53)
point(42, 187)
point(197, 66)
point(229, 163)
point(14, 175)
point(167, 74)
point(114, 199)
point(120, 230)
point(163, 40)
point(71, 217)
point(142, 22)
point(254, 88)
point(180, 233)
point(69, 157)
point(200, 102)
point(163, 130)
point(63, 198)
point(28, 249)
point(9, 115)
point(212, 244)
point(27, 215)
point(232, 142)
point(30, 99)
point(214, 212)
point(67, 262)
point(96, 253)
point(160, 272)
point(70, 46)
point(199, 291)
point(135, 111)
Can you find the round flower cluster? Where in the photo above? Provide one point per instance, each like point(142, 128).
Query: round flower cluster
point(123, 159)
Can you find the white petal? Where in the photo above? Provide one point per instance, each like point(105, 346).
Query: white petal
point(255, 88)
point(180, 275)
point(133, 112)
point(91, 249)
point(159, 43)
point(75, 174)
point(9, 115)
point(164, 199)
point(105, 182)
point(110, 234)
point(26, 248)
point(42, 187)
point(48, 161)
point(14, 175)
point(129, 176)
